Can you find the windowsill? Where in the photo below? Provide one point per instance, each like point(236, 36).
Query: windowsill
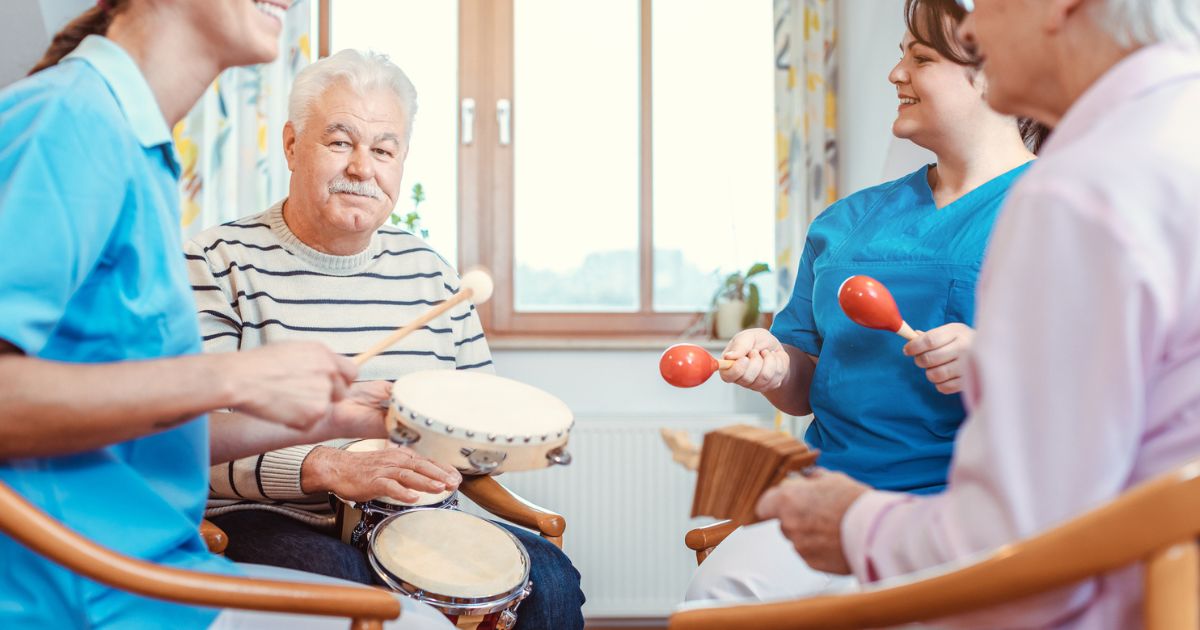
point(599, 343)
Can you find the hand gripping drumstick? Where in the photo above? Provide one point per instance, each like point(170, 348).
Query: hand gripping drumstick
point(476, 286)
point(688, 365)
point(868, 303)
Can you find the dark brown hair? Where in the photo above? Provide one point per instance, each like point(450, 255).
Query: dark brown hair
point(934, 23)
point(94, 21)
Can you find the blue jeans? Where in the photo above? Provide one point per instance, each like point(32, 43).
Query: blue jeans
point(263, 537)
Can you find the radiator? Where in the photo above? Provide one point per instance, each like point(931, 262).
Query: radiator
point(626, 504)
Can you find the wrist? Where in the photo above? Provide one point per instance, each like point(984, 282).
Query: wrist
point(219, 375)
point(314, 470)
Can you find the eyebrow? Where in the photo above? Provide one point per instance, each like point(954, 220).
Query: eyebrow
point(342, 127)
point(353, 133)
point(384, 137)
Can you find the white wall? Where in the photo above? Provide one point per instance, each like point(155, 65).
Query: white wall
point(26, 27)
point(869, 33)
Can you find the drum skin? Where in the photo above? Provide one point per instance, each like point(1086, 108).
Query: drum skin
point(456, 562)
point(478, 422)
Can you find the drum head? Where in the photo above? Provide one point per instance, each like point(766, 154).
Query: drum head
point(423, 498)
point(482, 403)
point(450, 553)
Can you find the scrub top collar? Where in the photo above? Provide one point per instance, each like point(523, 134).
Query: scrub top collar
point(129, 87)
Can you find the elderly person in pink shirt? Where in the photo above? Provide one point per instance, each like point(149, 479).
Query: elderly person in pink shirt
point(1085, 374)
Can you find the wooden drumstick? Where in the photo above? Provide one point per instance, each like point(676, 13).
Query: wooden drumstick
point(476, 286)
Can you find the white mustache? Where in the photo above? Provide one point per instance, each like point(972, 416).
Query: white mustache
point(365, 189)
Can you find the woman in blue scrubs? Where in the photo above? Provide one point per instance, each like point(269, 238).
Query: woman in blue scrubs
point(884, 412)
point(102, 388)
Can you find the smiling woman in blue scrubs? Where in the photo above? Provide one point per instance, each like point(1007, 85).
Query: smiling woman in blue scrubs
point(102, 390)
point(885, 412)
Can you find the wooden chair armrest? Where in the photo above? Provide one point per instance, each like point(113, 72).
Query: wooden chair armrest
point(214, 537)
point(1150, 521)
point(709, 536)
point(496, 499)
point(702, 540)
point(33, 528)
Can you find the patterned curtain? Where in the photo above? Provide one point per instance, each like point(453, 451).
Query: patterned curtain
point(230, 144)
point(805, 126)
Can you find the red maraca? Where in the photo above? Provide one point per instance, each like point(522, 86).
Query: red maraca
point(868, 303)
point(688, 365)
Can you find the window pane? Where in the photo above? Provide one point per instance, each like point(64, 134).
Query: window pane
point(420, 36)
point(575, 161)
point(714, 147)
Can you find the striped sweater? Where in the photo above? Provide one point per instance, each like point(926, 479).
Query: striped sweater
point(256, 283)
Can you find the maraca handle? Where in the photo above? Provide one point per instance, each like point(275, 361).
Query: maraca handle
point(906, 331)
point(724, 364)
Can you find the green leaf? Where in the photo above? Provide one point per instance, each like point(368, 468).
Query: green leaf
point(756, 269)
point(752, 307)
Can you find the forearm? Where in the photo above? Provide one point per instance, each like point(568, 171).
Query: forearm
point(52, 408)
point(791, 397)
point(234, 435)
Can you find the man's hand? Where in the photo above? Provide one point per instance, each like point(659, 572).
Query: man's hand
point(292, 383)
point(810, 511)
point(395, 472)
point(761, 363)
point(942, 352)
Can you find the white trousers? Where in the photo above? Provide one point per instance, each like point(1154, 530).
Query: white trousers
point(757, 563)
point(413, 615)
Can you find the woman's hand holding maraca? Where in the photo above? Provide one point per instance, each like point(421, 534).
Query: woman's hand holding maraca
point(760, 362)
point(942, 353)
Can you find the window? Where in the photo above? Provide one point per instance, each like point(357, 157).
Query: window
point(609, 161)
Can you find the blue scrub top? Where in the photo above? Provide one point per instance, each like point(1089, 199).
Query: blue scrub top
point(94, 272)
point(876, 417)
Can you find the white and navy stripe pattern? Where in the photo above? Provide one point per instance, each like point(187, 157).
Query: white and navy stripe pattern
point(256, 283)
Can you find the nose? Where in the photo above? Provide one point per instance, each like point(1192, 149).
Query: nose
point(898, 74)
point(361, 165)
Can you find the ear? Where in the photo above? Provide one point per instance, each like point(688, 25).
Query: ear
point(980, 82)
point(289, 145)
point(1059, 12)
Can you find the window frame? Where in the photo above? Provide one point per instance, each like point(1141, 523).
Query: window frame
point(485, 181)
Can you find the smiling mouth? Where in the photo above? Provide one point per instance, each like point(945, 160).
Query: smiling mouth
point(905, 100)
point(271, 9)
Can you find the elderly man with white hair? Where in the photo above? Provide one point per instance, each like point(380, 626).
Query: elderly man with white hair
point(320, 265)
point(1085, 375)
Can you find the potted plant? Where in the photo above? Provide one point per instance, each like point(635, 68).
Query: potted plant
point(412, 220)
point(735, 305)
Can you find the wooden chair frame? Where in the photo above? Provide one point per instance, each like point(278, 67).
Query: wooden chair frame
point(1156, 523)
point(703, 540)
point(490, 495)
point(367, 608)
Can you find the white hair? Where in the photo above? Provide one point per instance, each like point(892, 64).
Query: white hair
point(1145, 22)
point(363, 72)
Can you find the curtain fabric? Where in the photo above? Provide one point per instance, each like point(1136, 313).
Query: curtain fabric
point(805, 126)
point(230, 144)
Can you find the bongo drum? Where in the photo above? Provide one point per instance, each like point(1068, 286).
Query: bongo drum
point(472, 570)
point(354, 520)
point(479, 423)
